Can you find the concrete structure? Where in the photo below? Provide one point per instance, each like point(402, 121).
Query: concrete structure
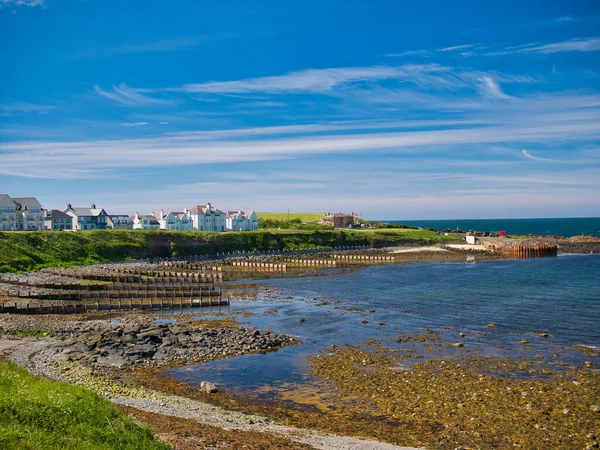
point(470, 239)
point(147, 222)
point(119, 222)
point(86, 219)
point(8, 213)
point(242, 220)
point(341, 220)
point(207, 218)
point(57, 220)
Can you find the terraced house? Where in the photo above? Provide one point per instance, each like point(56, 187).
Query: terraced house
point(20, 213)
point(87, 219)
point(242, 220)
point(207, 218)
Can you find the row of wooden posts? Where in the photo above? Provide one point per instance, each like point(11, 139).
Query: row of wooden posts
point(121, 294)
point(149, 284)
point(311, 262)
point(270, 267)
point(527, 251)
point(110, 305)
point(364, 258)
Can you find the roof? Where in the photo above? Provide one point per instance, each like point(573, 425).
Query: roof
point(202, 209)
point(85, 212)
point(26, 202)
point(57, 214)
point(6, 196)
point(119, 216)
point(151, 218)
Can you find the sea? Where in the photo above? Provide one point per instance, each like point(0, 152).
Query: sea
point(567, 227)
point(555, 296)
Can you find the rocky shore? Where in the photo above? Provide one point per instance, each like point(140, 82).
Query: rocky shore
point(101, 343)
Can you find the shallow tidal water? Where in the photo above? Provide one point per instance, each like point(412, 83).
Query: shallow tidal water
point(559, 296)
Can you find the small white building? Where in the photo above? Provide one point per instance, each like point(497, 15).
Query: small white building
point(147, 222)
point(86, 219)
point(470, 239)
point(207, 218)
point(242, 220)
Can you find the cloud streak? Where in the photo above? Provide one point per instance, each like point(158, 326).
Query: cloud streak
point(123, 94)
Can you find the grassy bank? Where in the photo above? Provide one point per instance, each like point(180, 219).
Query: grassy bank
point(26, 251)
point(41, 414)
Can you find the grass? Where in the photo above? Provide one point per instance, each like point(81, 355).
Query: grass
point(29, 251)
point(39, 414)
point(286, 217)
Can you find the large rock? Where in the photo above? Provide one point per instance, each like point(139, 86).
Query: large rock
point(208, 387)
point(113, 360)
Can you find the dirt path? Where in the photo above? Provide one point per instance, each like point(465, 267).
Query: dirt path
point(37, 357)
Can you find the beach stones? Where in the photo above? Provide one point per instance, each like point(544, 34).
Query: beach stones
point(595, 409)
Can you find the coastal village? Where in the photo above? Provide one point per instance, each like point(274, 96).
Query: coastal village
point(26, 213)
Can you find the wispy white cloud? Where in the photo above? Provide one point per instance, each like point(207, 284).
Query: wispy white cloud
point(491, 89)
point(572, 45)
point(125, 95)
point(261, 145)
point(29, 3)
point(15, 107)
point(326, 81)
point(135, 124)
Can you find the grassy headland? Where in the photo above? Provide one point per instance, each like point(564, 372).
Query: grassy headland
point(26, 251)
point(37, 413)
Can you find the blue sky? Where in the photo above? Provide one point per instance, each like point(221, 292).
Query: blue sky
point(397, 110)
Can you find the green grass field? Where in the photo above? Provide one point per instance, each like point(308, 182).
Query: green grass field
point(39, 414)
point(28, 251)
point(284, 217)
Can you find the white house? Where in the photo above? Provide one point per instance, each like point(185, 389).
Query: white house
point(57, 220)
point(85, 219)
point(242, 220)
point(30, 215)
point(174, 220)
point(20, 213)
point(147, 222)
point(207, 218)
point(8, 213)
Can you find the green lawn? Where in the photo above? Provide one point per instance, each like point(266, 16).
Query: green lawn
point(39, 414)
point(285, 217)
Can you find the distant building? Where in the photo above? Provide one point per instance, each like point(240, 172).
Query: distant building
point(30, 215)
point(119, 222)
point(341, 220)
point(86, 219)
point(8, 213)
point(20, 213)
point(207, 218)
point(57, 220)
point(175, 221)
point(242, 220)
point(147, 222)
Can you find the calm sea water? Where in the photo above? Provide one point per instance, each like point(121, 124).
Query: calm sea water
point(559, 296)
point(560, 227)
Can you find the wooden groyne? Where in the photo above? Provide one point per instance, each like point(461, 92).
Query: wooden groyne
point(538, 250)
point(363, 258)
point(152, 304)
point(259, 266)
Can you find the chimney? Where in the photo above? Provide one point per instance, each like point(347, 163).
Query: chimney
point(93, 206)
point(69, 206)
point(162, 214)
